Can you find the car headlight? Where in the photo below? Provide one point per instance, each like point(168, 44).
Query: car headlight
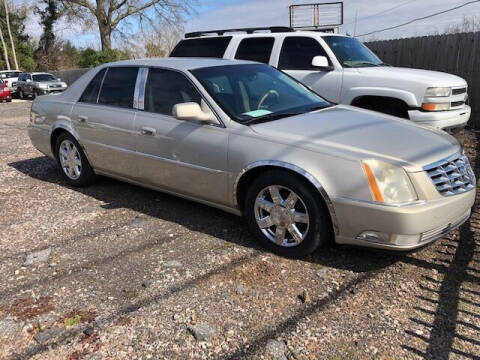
point(389, 184)
point(438, 92)
point(42, 86)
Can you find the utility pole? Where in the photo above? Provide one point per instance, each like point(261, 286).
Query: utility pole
point(7, 17)
point(355, 27)
point(5, 53)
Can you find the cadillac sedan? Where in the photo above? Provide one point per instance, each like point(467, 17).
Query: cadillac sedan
point(249, 139)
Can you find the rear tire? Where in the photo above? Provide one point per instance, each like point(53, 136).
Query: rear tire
point(21, 95)
point(73, 163)
point(293, 224)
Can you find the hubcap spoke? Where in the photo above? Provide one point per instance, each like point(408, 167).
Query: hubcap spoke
point(291, 200)
point(70, 160)
point(296, 234)
point(300, 217)
point(266, 222)
point(280, 235)
point(275, 194)
point(265, 205)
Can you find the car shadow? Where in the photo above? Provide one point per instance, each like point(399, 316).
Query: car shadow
point(115, 194)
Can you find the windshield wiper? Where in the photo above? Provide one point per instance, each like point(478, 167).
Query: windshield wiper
point(360, 63)
point(270, 117)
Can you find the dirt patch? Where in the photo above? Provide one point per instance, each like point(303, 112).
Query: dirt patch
point(28, 308)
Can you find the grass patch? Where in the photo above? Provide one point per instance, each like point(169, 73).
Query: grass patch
point(73, 321)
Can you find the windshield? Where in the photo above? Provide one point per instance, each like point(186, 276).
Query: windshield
point(11, 74)
point(352, 53)
point(44, 77)
point(257, 92)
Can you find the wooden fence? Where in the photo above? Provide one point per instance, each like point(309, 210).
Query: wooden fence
point(457, 54)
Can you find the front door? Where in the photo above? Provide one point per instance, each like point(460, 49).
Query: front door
point(104, 120)
point(186, 157)
point(296, 60)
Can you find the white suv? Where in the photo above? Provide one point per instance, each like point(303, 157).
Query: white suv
point(342, 70)
point(10, 77)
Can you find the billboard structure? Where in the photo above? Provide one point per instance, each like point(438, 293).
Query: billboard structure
point(318, 16)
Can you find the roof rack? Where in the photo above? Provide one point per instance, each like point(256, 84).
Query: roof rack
point(272, 29)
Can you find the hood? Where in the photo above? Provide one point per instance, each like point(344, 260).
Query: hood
point(425, 77)
point(357, 134)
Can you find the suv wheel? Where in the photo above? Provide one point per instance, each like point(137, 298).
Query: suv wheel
point(71, 159)
point(285, 215)
point(21, 95)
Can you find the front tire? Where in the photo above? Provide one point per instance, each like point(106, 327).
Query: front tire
point(286, 215)
point(21, 95)
point(73, 163)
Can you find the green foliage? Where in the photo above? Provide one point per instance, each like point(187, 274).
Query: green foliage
point(18, 16)
point(91, 58)
point(72, 321)
point(45, 55)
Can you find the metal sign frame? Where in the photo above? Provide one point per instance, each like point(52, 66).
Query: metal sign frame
point(316, 15)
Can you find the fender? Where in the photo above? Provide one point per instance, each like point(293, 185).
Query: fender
point(305, 174)
point(353, 93)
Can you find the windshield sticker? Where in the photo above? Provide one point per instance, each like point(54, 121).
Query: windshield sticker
point(257, 113)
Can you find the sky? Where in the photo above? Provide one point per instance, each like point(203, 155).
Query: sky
point(371, 15)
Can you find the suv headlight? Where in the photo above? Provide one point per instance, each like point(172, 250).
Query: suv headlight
point(389, 184)
point(42, 86)
point(438, 92)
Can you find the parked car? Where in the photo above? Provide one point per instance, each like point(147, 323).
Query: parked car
point(342, 70)
point(5, 94)
point(10, 78)
point(38, 83)
point(249, 139)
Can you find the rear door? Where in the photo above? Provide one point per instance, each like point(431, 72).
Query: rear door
point(104, 119)
point(181, 156)
point(295, 59)
point(255, 49)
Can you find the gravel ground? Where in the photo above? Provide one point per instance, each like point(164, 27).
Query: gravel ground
point(116, 271)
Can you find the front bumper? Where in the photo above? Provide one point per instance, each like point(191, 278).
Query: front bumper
point(49, 91)
point(443, 120)
point(404, 227)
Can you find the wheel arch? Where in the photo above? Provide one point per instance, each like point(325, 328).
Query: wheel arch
point(58, 129)
point(252, 171)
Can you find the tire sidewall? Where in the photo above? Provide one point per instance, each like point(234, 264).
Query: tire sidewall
point(319, 225)
point(87, 175)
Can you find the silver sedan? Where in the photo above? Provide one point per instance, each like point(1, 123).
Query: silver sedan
point(250, 140)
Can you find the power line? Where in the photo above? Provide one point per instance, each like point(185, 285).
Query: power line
point(421, 18)
point(382, 12)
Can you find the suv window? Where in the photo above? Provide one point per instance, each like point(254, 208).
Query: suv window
point(90, 94)
point(213, 47)
point(119, 87)
point(298, 52)
point(255, 49)
point(166, 88)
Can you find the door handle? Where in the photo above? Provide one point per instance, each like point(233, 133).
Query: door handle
point(148, 131)
point(83, 119)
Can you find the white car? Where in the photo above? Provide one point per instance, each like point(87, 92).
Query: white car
point(342, 70)
point(10, 78)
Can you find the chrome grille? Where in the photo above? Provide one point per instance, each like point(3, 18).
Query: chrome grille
point(452, 176)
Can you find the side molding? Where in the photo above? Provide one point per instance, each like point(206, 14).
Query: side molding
point(298, 170)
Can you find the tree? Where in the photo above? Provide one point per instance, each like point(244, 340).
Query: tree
point(161, 41)
point(45, 56)
point(5, 52)
point(7, 18)
point(110, 15)
point(91, 58)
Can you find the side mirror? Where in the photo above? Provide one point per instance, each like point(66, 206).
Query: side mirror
point(321, 62)
point(191, 111)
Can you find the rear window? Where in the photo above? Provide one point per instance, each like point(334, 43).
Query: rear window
point(213, 47)
point(90, 95)
point(255, 49)
point(10, 74)
point(119, 87)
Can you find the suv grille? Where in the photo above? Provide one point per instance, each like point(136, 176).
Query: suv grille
point(459, 91)
point(457, 103)
point(452, 176)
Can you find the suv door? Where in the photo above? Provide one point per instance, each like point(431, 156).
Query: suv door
point(181, 156)
point(296, 58)
point(104, 120)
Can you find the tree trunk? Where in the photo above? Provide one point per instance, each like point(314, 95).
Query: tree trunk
point(10, 35)
point(4, 46)
point(105, 38)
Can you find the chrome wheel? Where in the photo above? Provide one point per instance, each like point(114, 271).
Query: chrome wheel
point(70, 159)
point(281, 215)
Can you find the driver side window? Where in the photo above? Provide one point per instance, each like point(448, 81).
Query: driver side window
point(165, 88)
point(298, 52)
